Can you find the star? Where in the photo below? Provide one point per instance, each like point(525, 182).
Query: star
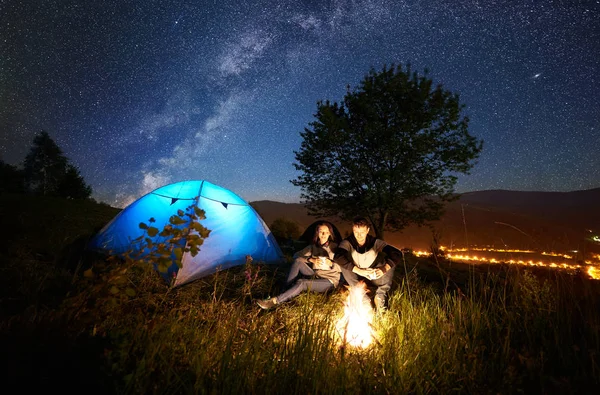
point(221, 91)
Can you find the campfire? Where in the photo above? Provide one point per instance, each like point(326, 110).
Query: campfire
point(355, 327)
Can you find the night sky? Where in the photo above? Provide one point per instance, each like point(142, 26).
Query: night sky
point(139, 94)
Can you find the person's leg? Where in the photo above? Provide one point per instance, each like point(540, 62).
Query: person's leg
point(353, 279)
point(300, 265)
point(317, 285)
point(384, 284)
point(350, 277)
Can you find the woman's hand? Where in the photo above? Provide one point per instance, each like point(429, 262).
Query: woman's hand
point(322, 263)
point(367, 273)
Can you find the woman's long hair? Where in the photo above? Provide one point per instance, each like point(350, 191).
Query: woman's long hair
point(331, 238)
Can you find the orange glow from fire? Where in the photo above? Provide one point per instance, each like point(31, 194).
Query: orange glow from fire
point(592, 268)
point(594, 272)
point(355, 327)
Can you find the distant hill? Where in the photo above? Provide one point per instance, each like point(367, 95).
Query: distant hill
point(556, 221)
point(578, 208)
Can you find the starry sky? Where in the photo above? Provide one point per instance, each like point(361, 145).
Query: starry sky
point(139, 94)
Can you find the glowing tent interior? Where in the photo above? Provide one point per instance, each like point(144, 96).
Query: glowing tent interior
point(236, 230)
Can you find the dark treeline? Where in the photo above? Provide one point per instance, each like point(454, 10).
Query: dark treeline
point(46, 171)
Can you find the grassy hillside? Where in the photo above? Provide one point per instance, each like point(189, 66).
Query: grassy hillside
point(41, 245)
point(451, 328)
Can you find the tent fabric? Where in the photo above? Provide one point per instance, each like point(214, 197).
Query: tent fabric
point(236, 229)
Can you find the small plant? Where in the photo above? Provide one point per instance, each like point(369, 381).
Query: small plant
point(182, 234)
point(159, 249)
point(251, 277)
point(435, 248)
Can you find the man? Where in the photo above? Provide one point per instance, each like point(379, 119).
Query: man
point(364, 257)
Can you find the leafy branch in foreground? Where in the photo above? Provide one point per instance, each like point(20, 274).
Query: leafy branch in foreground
point(160, 249)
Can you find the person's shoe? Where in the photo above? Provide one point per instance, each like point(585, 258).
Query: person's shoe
point(267, 303)
point(380, 304)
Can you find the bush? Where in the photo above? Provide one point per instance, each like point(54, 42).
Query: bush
point(284, 230)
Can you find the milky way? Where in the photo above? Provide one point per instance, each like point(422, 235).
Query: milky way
point(146, 93)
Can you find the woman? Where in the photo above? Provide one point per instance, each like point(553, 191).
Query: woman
point(316, 260)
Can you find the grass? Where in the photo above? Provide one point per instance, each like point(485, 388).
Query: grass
point(451, 328)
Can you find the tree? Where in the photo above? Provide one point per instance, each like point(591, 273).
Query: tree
point(389, 151)
point(284, 229)
point(48, 171)
point(72, 185)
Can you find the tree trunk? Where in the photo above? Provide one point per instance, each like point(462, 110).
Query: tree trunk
point(380, 226)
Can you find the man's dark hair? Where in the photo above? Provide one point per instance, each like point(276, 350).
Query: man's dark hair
point(360, 221)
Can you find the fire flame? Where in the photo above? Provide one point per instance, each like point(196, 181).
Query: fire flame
point(590, 267)
point(355, 326)
point(594, 272)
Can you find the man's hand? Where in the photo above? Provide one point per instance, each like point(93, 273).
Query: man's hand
point(367, 273)
point(379, 272)
point(372, 274)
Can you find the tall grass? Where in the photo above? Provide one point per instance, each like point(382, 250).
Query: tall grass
point(449, 329)
point(502, 332)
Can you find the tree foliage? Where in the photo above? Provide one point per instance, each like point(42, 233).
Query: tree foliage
point(73, 186)
point(284, 229)
point(389, 151)
point(49, 172)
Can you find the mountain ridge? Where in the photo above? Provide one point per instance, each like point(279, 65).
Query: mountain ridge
point(538, 220)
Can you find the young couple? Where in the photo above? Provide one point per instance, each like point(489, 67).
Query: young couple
point(358, 257)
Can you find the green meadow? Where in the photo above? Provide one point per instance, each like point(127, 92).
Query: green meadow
point(450, 328)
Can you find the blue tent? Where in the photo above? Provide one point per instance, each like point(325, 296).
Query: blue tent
point(236, 230)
